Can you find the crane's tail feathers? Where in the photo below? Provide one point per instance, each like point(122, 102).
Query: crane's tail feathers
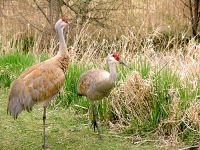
point(18, 99)
point(14, 108)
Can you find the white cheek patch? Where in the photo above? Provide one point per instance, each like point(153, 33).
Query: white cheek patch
point(114, 60)
point(63, 24)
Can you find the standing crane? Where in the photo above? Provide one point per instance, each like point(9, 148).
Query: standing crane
point(97, 84)
point(41, 82)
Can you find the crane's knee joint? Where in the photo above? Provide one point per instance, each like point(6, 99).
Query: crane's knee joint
point(44, 117)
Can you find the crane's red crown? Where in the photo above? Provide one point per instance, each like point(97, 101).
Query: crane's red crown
point(64, 19)
point(116, 56)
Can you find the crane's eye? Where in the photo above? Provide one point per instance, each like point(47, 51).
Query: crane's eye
point(116, 56)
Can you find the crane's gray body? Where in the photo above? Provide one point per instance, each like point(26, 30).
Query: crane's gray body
point(95, 84)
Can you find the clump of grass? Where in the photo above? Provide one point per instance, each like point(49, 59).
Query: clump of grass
point(5, 78)
point(132, 101)
point(163, 80)
point(11, 65)
point(156, 104)
point(24, 44)
point(173, 87)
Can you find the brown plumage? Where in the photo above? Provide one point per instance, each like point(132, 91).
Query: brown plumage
point(97, 84)
point(37, 84)
point(41, 82)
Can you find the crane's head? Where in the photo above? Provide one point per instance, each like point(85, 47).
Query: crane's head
point(61, 23)
point(114, 59)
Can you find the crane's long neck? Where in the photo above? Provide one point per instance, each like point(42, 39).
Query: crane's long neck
point(62, 44)
point(113, 72)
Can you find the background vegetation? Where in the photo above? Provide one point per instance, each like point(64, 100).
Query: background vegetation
point(157, 99)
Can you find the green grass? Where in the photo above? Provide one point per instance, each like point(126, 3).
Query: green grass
point(68, 111)
point(65, 130)
point(11, 65)
point(162, 82)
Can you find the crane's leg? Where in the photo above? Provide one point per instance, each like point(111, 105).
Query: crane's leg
point(44, 131)
point(94, 122)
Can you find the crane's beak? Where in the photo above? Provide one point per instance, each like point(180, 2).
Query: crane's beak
point(121, 62)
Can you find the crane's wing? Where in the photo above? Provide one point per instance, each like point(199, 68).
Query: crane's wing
point(94, 82)
point(38, 83)
point(44, 82)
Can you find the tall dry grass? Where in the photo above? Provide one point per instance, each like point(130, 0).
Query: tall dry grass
point(157, 97)
point(20, 18)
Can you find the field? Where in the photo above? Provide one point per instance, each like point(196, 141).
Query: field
point(65, 130)
point(154, 105)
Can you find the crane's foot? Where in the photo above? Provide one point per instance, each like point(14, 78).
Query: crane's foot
point(95, 125)
point(45, 146)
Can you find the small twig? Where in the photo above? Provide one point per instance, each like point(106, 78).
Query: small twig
point(189, 147)
point(184, 3)
point(145, 141)
point(70, 7)
point(78, 106)
point(162, 68)
point(42, 11)
point(33, 25)
point(188, 125)
point(117, 136)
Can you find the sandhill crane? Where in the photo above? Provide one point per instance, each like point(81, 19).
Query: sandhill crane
point(97, 84)
point(40, 82)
